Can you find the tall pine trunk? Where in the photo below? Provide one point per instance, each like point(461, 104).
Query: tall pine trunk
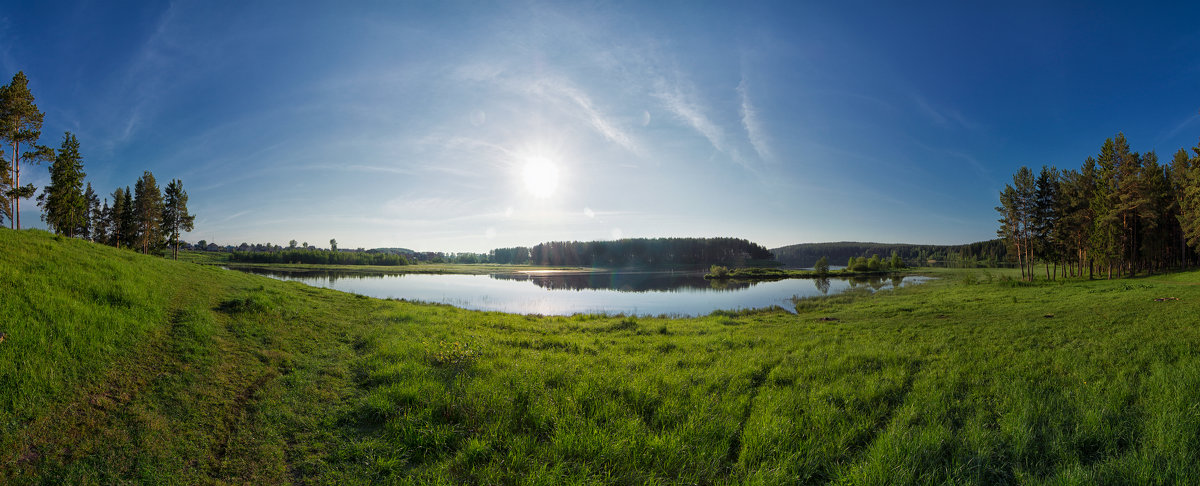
point(14, 205)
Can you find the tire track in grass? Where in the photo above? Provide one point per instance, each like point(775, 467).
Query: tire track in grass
point(733, 454)
point(237, 416)
point(191, 376)
point(48, 439)
point(894, 402)
point(251, 361)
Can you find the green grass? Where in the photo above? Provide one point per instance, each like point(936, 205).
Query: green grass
point(120, 367)
point(203, 257)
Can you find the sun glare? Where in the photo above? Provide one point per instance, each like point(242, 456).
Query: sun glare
point(541, 177)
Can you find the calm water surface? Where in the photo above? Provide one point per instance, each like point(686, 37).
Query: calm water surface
point(566, 293)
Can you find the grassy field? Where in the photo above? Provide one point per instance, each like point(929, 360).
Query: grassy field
point(119, 367)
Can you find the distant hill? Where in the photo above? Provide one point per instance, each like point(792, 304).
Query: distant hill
point(806, 254)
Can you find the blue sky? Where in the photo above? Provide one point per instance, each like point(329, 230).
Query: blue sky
point(465, 126)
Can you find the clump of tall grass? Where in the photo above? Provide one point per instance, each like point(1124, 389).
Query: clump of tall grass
point(450, 354)
point(245, 305)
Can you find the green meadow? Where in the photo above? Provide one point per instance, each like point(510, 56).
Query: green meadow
point(120, 367)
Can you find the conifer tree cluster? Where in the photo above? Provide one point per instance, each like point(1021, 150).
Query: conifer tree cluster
point(145, 218)
point(1120, 214)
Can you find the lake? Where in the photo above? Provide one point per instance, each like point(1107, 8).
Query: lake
point(566, 293)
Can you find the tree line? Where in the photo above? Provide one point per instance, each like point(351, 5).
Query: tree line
point(1120, 213)
point(984, 253)
point(145, 218)
point(636, 252)
point(320, 257)
point(642, 251)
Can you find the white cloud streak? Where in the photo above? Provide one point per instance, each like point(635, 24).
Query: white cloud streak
point(145, 75)
point(233, 216)
point(1179, 128)
point(563, 92)
point(689, 111)
point(943, 116)
point(555, 90)
point(753, 125)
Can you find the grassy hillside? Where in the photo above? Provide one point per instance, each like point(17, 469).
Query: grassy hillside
point(123, 367)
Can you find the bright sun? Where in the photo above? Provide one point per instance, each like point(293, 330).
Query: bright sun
point(541, 177)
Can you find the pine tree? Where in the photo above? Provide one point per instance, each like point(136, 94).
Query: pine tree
point(20, 125)
point(1018, 211)
point(129, 225)
point(148, 213)
point(64, 202)
point(1189, 218)
point(175, 215)
point(1154, 216)
point(92, 204)
point(116, 219)
point(1106, 244)
point(5, 204)
point(1130, 203)
point(1075, 224)
point(1010, 223)
point(101, 223)
point(1045, 217)
point(1180, 181)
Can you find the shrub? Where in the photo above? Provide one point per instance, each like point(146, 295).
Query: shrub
point(858, 264)
point(822, 266)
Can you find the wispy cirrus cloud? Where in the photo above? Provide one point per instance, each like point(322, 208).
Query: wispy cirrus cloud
point(1178, 128)
point(943, 116)
point(980, 168)
point(234, 216)
point(687, 108)
point(146, 76)
point(566, 93)
point(551, 89)
point(434, 207)
point(478, 71)
point(755, 131)
point(466, 144)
